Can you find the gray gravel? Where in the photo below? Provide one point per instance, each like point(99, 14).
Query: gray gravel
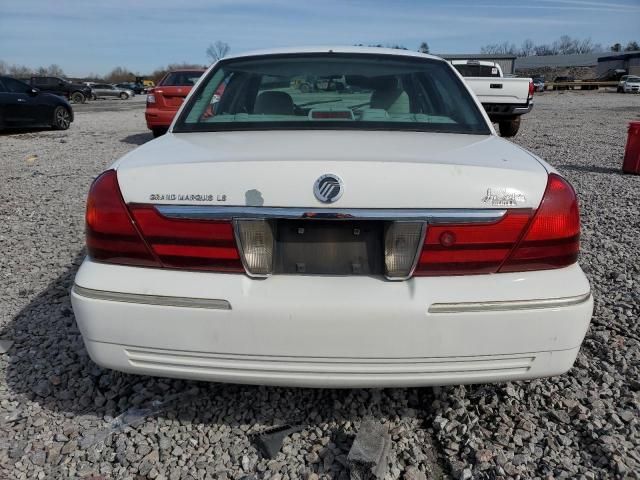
point(61, 416)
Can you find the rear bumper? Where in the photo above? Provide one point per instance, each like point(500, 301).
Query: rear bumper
point(498, 111)
point(159, 118)
point(332, 331)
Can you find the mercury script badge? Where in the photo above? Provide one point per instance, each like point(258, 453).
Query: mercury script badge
point(504, 197)
point(328, 188)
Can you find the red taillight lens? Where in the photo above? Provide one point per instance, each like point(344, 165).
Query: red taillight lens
point(470, 249)
point(111, 235)
point(139, 235)
point(521, 241)
point(552, 239)
point(192, 244)
point(532, 89)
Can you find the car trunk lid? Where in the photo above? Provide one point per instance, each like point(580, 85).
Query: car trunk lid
point(378, 170)
point(170, 97)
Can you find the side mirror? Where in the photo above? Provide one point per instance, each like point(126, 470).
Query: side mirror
point(33, 91)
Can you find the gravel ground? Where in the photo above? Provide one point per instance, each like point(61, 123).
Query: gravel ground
point(64, 417)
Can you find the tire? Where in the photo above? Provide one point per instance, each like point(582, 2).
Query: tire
point(619, 90)
point(509, 128)
point(124, 96)
point(158, 131)
point(94, 96)
point(305, 88)
point(77, 97)
point(61, 118)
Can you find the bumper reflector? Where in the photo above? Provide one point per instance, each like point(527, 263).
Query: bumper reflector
point(402, 242)
point(256, 242)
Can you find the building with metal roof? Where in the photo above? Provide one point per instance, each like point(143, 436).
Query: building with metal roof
point(629, 61)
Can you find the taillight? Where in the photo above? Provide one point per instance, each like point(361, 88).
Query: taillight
point(139, 235)
point(531, 89)
point(470, 249)
point(151, 98)
point(522, 240)
point(257, 245)
point(188, 244)
point(111, 235)
point(552, 240)
point(401, 242)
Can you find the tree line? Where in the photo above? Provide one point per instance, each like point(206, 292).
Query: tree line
point(116, 75)
point(21, 71)
point(565, 45)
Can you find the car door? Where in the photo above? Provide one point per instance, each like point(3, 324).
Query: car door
point(101, 90)
point(18, 108)
point(4, 103)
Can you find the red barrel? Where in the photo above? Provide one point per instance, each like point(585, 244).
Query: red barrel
point(631, 162)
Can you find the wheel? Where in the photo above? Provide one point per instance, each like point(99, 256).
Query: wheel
point(94, 96)
point(77, 97)
point(124, 95)
point(158, 131)
point(509, 128)
point(61, 118)
point(305, 88)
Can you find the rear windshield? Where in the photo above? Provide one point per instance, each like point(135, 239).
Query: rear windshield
point(332, 91)
point(474, 70)
point(181, 79)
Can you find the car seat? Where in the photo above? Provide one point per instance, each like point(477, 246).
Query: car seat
point(274, 103)
point(388, 96)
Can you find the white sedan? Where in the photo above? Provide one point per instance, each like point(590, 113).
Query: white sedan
point(631, 85)
point(373, 234)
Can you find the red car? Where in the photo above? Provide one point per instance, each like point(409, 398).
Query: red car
point(165, 99)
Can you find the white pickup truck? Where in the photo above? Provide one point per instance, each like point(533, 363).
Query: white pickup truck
point(503, 98)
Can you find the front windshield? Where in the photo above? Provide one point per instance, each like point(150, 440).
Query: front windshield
point(337, 91)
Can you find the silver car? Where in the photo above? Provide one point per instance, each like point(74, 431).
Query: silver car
point(101, 90)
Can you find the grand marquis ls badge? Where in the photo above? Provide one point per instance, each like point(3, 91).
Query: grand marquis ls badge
point(328, 188)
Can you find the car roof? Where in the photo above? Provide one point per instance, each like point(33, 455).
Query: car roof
point(336, 49)
point(188, 70)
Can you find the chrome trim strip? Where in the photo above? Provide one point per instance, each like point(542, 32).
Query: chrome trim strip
point(152, 299)
point(431, 216)
point(509, 305)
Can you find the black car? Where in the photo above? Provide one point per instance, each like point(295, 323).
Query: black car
point(75, 92)
point(24, 106)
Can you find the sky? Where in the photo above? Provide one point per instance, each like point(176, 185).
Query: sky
point(90, 36)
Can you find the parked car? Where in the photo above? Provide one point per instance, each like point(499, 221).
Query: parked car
point(165, 99)
point(538, 84)
point(22, 105)
point(383, 238)
point(505, 99)
point(75, 92)
point(623, 79)
point(136, 88)
point(631, 84)
point(103, 90)
point(563, 79)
